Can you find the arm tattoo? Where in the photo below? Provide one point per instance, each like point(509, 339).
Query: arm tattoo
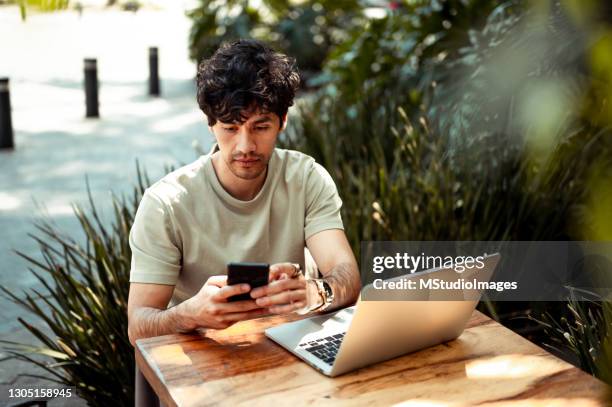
point(345, 283)
point(150, 322)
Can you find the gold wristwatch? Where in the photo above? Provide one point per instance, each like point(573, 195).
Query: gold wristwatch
point(325, 292)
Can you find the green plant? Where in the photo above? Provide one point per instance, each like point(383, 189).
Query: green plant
point(83, 301)
point(417, 155)
point(404, 182)
point(305, 30)
point(584, 329)
point(41, 5)
point(390, 57)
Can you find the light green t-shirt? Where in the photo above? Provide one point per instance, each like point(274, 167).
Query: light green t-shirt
point(188, 227)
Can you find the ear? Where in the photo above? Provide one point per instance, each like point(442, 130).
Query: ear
point(285, 118)
point(210, 129)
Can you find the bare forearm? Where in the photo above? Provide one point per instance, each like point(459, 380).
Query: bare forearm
point(345, 283)
point(146, 322)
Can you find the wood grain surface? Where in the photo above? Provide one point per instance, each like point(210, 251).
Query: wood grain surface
point(488, 365)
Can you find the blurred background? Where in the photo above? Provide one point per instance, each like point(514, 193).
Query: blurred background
point(439, 120)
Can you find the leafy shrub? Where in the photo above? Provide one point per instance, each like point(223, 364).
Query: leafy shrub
point(306, 30)
point(83, 302)
point(40, 5)
point(430, 135)
point(584, 329)
point(406, 183)
point(393, 56)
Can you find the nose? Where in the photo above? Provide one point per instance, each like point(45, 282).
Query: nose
point(245, 143)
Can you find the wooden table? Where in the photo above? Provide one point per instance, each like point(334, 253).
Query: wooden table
point(488, 365)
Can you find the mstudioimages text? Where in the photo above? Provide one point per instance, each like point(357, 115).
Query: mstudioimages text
point(412, 264)
point(439, 284)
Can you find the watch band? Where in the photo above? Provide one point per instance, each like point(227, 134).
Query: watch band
point(326, 293)
point(297, 272)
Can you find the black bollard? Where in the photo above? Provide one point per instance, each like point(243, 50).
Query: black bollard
point(6, 124)
point(91, 88)
point(154, 72)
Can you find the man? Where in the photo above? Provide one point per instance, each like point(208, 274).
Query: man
point(245, 201)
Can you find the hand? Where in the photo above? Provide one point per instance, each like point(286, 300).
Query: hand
point(209, 308)
point(285, 292)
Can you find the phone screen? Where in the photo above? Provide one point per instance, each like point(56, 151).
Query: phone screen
point(254, 274)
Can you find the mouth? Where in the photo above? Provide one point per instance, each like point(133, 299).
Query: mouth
point(247, 162)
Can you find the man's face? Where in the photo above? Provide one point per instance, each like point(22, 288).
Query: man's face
point(247, 147)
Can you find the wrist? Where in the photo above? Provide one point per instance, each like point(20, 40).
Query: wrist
point(313, 299)
point(183, 317)
point(317, 299)
point(325, 292)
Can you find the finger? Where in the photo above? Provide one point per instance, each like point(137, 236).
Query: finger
point(237, 306)
point(287, 308)
point(281, 276)
point(218, 281)
point(276, 270)
point(277, 287)
point(241, 316)
point(284, 297)
point(229, 290)
point(284, 285)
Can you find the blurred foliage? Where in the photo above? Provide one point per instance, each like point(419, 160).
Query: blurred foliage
point(41, 5)
point(305, 30)
point(439, 122)
point(604, 363)
point(585, 330)
point(385, 57)
point(406, 183)
point(83, 302)
point(482, 181)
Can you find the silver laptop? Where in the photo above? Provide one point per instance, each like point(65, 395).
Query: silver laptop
point(376, 330)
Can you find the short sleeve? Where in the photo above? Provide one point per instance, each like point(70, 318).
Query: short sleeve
point(156, 257)
point(322, 202)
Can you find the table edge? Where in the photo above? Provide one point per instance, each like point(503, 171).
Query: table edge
point(154, 379)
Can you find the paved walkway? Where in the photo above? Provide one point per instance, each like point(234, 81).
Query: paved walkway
point(56, 146)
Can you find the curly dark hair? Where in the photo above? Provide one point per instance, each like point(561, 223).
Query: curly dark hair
point(243, 76)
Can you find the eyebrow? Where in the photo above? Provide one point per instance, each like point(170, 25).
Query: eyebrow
point(265, 119)
point(262, 120)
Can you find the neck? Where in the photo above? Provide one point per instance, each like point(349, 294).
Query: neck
point(239, 188)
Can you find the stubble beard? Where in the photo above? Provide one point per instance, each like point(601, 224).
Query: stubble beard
point(249, 173)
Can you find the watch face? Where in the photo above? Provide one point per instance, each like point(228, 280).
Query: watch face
point(328, 291)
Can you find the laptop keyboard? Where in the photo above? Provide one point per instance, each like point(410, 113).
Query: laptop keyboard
point(326, 348)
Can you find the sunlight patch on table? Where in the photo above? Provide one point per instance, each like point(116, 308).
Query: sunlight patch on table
point(170, 355)
point(513, 366)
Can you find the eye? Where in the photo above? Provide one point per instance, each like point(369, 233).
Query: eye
point(262, 128)
point(229, 129)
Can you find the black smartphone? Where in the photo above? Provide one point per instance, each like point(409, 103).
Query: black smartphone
point(253, 274)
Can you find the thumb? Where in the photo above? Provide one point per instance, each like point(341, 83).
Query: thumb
point(217, 281)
